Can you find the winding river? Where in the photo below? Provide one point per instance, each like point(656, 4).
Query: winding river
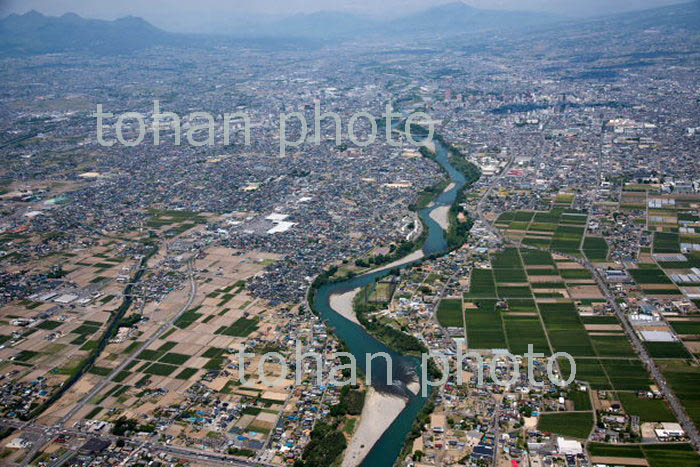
point(388, 447)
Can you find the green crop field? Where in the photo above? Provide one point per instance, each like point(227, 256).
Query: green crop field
point(599, 320)
point(564, 328)
point(667, 350)
point(523, 305)
point(542, 227)
point(573, 218)
point(589, 370)
point(85, 330)
point(486, 304)
point(151, 355)
point(482, 284)
point(121, 376)
point(186, 373)
point(187, 318)
point(551, 217)
point(648, 410)
point(160, 369)
point(518, 225)
point(595, 248)
point(547, 285)
point(536, 257)
point(524, 330)
point(581, 400)
point(649, 276)
point(507, 259)
point(174, 358)
point(49, 325)
point(612, 450)
point(240, 328)
point(573, 424)
point(523, 216)
point(509, 275)
point(537, 242)
point(514, 292)
point(505, 218)
point(671, 455)
point(212, 352)
point(686, 327)
point(570, 231)
point(542, 272)
point(666, 242)
point(167, 346)
point(612, 346)
point(449, 313)
point(515, 216)
point(684, 379)
point(627, 374)
point(485, 330)
point(575, 274)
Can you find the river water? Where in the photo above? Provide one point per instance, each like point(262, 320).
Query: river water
point(360, 343)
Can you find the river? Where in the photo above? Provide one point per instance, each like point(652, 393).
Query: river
point(360, 343)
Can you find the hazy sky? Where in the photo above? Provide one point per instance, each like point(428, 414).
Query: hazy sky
point(198, 15)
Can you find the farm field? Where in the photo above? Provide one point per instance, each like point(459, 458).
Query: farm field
point(648, 410)
point(524, 330)
point(603, 355)
point(560, 229)
point(449, 313)
point(485, 329)
point(684, 380)
point(572, 424)
point(666, 350)
point(565, 330)
point(595, 248)
point(657, 455)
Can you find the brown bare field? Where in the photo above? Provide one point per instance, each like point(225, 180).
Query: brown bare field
point(569, 265)
point(535, 279)
point(585, 291)
point(619, 461)
point(602, 327)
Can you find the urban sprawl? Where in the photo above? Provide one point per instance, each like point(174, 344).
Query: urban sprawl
point(132, 276)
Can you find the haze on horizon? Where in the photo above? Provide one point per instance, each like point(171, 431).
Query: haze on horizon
point(210, 15)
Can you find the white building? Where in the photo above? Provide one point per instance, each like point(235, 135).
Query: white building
point(569, 447)
point(669, 430)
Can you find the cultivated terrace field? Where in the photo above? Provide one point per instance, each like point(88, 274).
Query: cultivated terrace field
point(661, 296)
point(527, 296)
point(561, 229)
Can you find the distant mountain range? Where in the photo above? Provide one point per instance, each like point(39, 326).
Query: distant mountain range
point(458, 17)
point(34, 33)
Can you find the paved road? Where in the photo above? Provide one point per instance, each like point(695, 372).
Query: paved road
point(45, 438)
point(104, 382)
point(678, 410)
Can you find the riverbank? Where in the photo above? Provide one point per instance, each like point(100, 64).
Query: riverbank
point(409, 258)
point(342, 304)
point(379, 412)
point(441, 216)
